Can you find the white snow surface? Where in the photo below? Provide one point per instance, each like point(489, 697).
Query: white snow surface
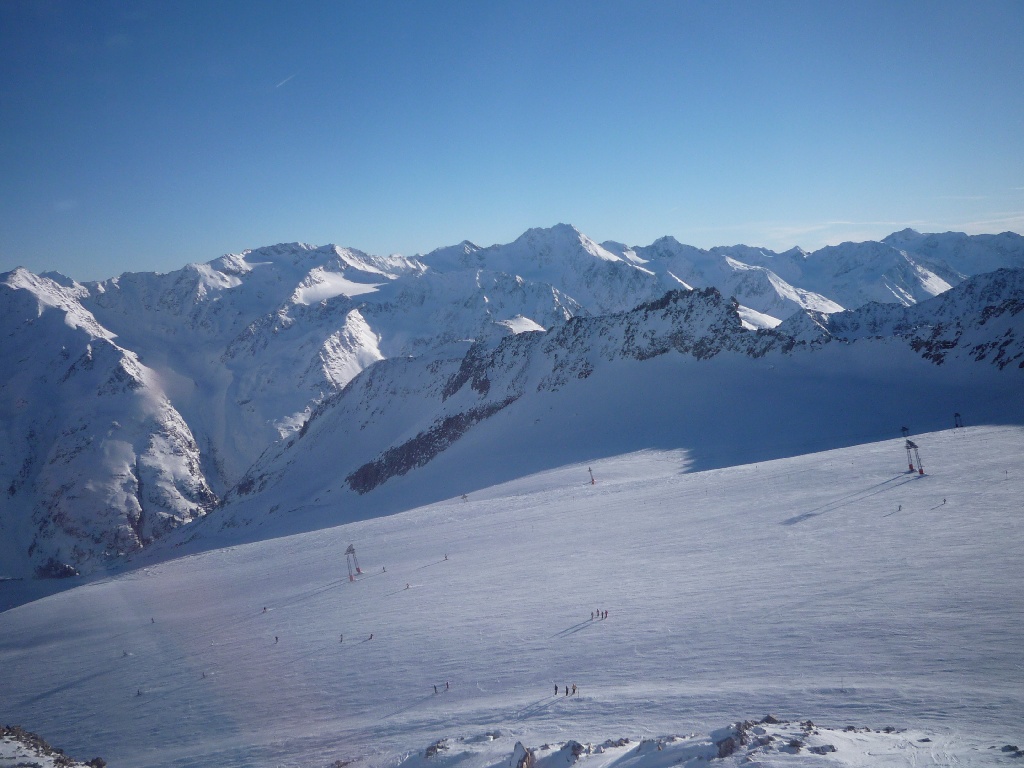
point(752, 319)
point(836, 587)
point(321, 285)
point(520, 324)
point(225, 361)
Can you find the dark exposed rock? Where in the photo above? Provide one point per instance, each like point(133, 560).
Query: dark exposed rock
point(735, 736)
point(436, 747)
point(521, 757)
point(53, 569)
point(420, 449)
point(38, 745)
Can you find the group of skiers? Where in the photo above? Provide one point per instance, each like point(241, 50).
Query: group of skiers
point(575, 691)
point(598, 614)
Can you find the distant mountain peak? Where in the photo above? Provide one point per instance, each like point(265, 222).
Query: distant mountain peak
point(217, 362)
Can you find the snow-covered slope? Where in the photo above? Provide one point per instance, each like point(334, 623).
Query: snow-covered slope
point(982, 319)
point(955, 256)
point(564, 258)
point(853, 274)
point(832, 587)
point(752, 283)
point(248, 342)
point(95, 462)
point(679, 372)
point(236, 354)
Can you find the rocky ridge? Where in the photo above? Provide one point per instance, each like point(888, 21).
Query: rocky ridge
point(163, 390)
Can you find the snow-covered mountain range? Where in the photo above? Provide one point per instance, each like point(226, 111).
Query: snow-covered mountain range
point(134, 405)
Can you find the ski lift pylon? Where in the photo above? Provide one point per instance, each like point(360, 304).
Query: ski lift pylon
point(912, 446)
point(352, 562)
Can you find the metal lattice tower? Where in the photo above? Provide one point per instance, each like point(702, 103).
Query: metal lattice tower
point(912, 446)
point(352, 562)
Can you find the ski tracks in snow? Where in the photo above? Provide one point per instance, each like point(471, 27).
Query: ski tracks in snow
point(852, 498)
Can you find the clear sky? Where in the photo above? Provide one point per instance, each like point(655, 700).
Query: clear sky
point(145, 135)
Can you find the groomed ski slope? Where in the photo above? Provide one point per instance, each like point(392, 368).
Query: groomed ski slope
point(834, 587)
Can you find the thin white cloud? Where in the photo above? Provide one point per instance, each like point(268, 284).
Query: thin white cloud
point(285, 80)
point(995, 221)
point(808, 235)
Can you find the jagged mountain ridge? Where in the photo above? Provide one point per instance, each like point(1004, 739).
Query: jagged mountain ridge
point(244, 348)
point(679, 371)
point(981, 319)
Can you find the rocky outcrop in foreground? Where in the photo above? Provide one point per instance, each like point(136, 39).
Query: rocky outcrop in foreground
point(19, 747)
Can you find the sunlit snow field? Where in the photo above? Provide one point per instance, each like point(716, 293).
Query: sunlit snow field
point(834, 586)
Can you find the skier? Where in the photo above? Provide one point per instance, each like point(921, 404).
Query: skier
point(264, 609)
point(275, 638)
point(407, 585)
point(435, 689)
point(591, 615)
point(446, 557)
point(152, 621)
point(556, 690)
point(124, 653)
point(341, 638)
point(138, 692)
point(446, 685)
point(574, 689)
point(371, 636)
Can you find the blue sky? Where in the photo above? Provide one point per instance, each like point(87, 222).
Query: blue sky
point(144, 135)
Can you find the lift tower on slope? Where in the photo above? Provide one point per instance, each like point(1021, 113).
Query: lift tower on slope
point(353, 563)
point(912, 446)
